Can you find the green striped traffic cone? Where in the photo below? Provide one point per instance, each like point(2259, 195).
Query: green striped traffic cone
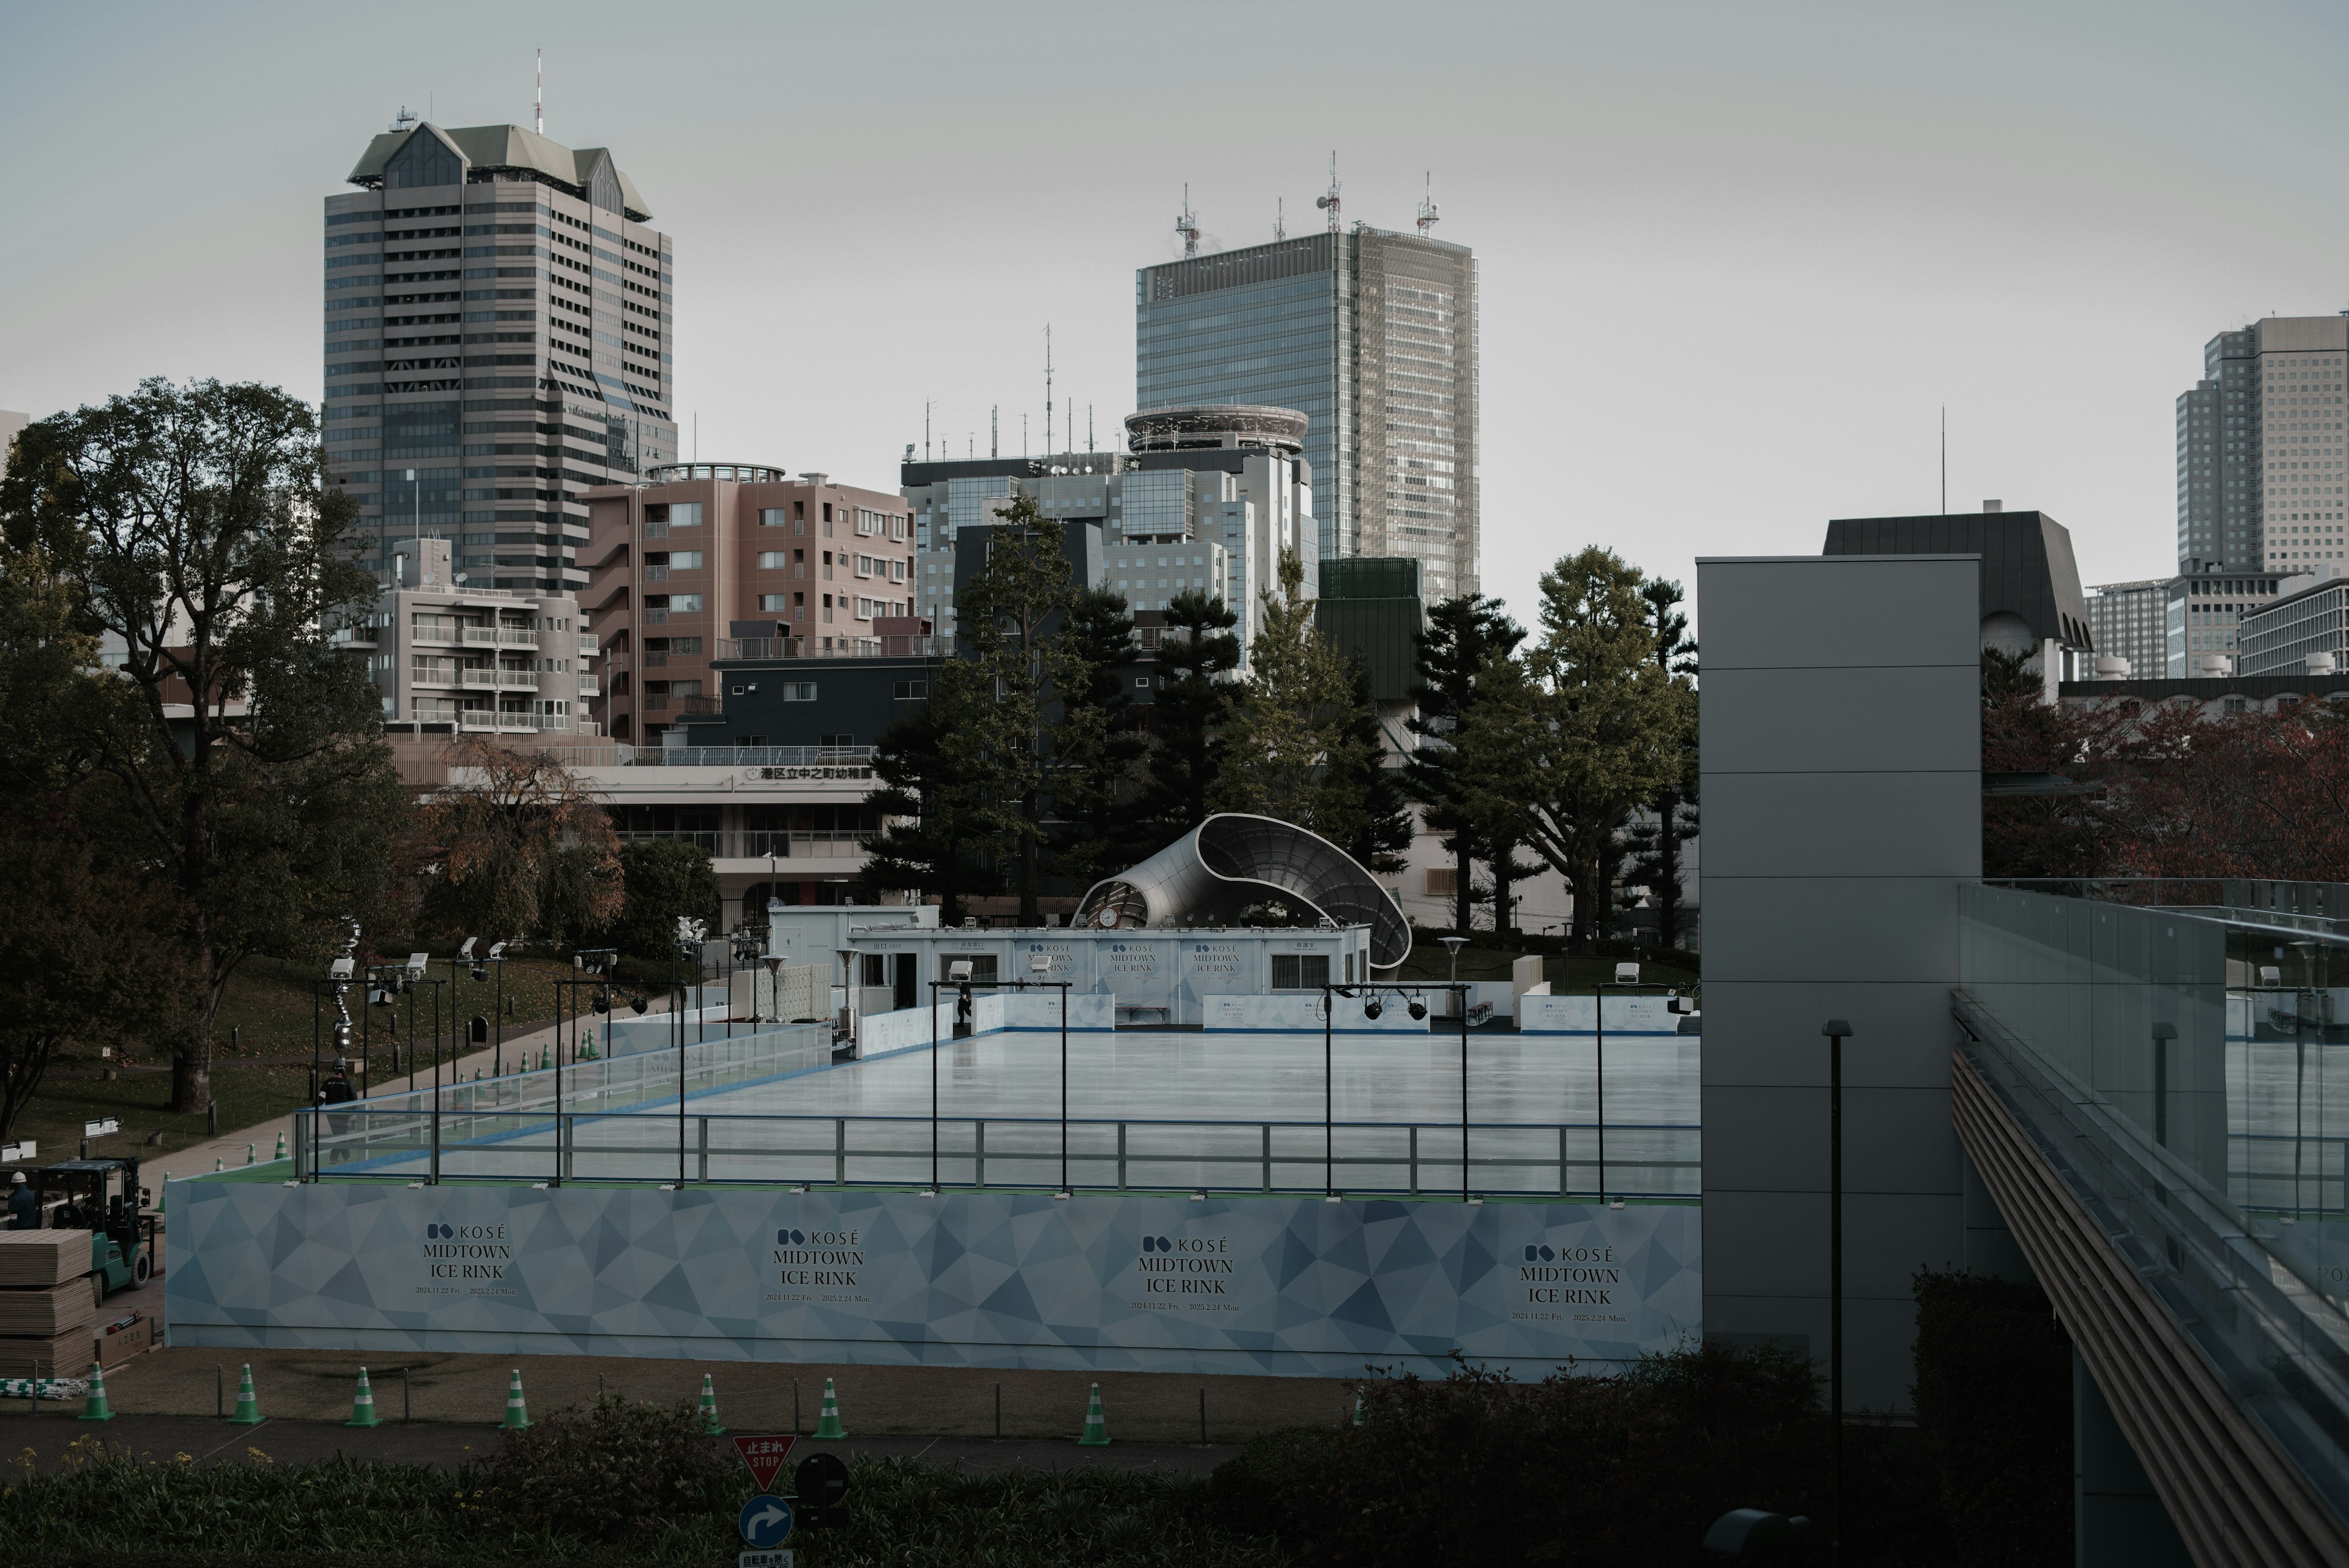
point(248, 1409)
point(517, 1413)
point(248, 1154)
point(363, 1404)
point(95, 1408)
point(545, 1059)
point(828, 1425)
point(219, 1165)
point(709, 1427)
point(163, 1193)
point(1358, 1409)
point(281, 1147)
point(1096, 1430)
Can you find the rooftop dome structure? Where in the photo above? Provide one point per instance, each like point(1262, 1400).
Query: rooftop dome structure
point(1213, 874)
point(1217, 425)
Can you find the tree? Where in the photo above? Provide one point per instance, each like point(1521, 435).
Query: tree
point(1499, 748)
point(1197, 656)
point(666, 879)
point(1096, 744)
point(1013, 612)
point(1291, 751)
point(1657, 842)
point(1612, 724)
point(1367, 814)
point(241, 750)
point(85, 951)
point(1460, 634)
point(932, 784)
point(522, 849)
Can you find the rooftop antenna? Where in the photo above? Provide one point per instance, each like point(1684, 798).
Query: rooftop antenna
point(1279, 219)
point(1089, 427)
point(1048, 386)
point(1187, 226)
point(994, 442)
point(538, 110)
point(404, 120)
point(925, 432)
point(1427, 206)
point(1329, 203)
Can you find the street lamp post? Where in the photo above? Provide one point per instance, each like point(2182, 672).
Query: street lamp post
point(2163, 1034)
point(1837, 1031)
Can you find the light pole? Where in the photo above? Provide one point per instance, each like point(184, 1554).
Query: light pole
point(1453, 945)
point(2163, 1034)
point(1836, 1031)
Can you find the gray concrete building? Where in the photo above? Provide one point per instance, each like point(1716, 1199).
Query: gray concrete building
point(2304, 629)
point(1372, 336)
point(2127, 621)
point(1842, 787)
point(2261, 484)
point(1206, 499)
point(498, 337)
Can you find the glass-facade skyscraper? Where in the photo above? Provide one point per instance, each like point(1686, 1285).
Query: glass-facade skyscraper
point(1372, 336)
point(498, 338)
point(2262, 452)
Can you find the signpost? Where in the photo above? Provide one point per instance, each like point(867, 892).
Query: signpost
point(765, 1521)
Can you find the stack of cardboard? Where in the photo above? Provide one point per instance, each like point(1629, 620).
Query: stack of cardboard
point(48, 1300)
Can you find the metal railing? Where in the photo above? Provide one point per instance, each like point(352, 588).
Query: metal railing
point(837, 647)
point(856, 758)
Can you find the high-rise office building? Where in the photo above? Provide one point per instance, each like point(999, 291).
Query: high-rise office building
point(2126, 621)
point(2261, 448)
point(499, 337)
point(1373, 337)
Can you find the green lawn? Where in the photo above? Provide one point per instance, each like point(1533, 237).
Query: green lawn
point(267, 1013)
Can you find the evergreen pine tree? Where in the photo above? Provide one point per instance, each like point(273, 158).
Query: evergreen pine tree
point(1452, 648)
point(1197, 659)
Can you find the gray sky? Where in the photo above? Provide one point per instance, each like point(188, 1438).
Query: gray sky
point(1735, 256)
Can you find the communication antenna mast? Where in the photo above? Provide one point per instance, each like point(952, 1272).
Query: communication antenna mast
point(1427, 206)
point(1279, 219)
point(994, 443)
point(925, 432)
point(1329, 203)
point(405, 119)
point(1047, 387)
point(1089, 427)
point(538, 111)
point(1187, 226)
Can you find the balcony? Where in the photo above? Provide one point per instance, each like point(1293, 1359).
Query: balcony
point(511, 637)
point(787, 649)
point(786, 761)
point(821, 845)
point(432, 675)
point(480, 635)
point(424, 630)
point(523, 678)
point(587, 644)
point(477, 675)
point(589, 686)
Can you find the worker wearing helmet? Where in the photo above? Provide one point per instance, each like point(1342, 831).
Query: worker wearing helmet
point(24, 1209)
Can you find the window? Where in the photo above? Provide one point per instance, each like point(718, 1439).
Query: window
point(772, 517)
point(1300, 971)
point(684, 604)
point(1142, 682)
point(866, 609)
point(1444, 882)
point(799, 691)
point(774, 602)
point(682, 560)
point(911, 691)
point(773, 560)
point(682, 513)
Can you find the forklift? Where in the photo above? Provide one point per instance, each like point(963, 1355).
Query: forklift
point(102, 1195)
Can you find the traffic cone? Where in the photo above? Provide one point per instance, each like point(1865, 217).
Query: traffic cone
point(517, 1413)
point(281, 1147)
point(1358, 1409)
point(163, 1193)
point(545, 1059)
point(248, 1409)
point(1096, 1430)
point(709, 1427)
point(248, 1154)
point(218, 1165)
point(827, 1423)
point(363, 1404)
point(95, 1408)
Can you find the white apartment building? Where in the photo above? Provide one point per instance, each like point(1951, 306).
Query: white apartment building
point(442, 651)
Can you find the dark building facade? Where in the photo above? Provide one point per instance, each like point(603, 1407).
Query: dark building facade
point(2030, 583)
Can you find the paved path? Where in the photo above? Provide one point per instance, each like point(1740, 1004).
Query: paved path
point(468, 1393)
point(207, 1441)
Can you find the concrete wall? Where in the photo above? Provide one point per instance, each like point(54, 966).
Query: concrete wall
point(1841, 761)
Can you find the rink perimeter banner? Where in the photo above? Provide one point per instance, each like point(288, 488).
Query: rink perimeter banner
point(1152, 1283)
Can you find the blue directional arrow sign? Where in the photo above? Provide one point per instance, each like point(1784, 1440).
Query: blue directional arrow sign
point(765, 1521)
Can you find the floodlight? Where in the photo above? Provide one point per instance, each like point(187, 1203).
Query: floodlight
point(602, 1003)
point(498, 951)
point(381, 997)
point(1681, 1004)
point(1372, 1008)
point(958, 970)
point(341, 969)
point(637, 1003)
point(1345, 991)
point(467, 950)
point(1418, 1008)
point(341, 1035)
point(1627, 974)
point(774, 963)
point(1040, 963)
point(479, 973)
point(417, 963)
point(579, 960)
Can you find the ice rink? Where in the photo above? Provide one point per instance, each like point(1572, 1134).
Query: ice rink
point(1146, 1110)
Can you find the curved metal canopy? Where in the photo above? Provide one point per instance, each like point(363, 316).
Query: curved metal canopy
point(1229, 862)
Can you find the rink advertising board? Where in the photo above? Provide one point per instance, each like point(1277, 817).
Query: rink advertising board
point(1130, 1281)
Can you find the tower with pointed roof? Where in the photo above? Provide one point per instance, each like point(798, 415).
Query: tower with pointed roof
point(499, 319)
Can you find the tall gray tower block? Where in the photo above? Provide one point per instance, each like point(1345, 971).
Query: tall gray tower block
point(1841, 769)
